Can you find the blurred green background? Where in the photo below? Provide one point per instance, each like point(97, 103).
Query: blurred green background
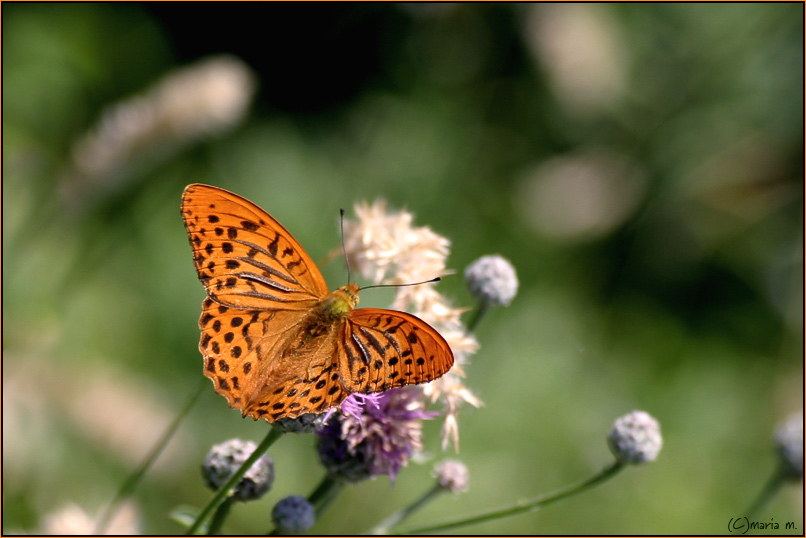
point(640, 165)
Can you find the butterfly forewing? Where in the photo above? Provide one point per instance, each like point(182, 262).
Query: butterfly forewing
point(244, 257)
point(381, 349)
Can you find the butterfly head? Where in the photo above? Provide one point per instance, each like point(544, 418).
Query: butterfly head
point(341, 302)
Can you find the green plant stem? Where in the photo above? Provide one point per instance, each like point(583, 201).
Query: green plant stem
point(526, 506)
point(772, 487)
point(129, 485)
point(327, 490)
point(484, 307)
point(224, 491)
point(220, 516)
point(402, 514)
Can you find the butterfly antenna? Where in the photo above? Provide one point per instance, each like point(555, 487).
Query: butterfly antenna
point(436, 279)
point(343, 248)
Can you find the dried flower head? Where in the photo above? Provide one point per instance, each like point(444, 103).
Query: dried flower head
point(224, 459)
point(452, 475)
point(492, 280)
point(384, 246)
point(635, 438)
point(789, 445)
point(293, 515)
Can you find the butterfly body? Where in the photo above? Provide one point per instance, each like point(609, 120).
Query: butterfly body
point(339, 303)
point(275, 342)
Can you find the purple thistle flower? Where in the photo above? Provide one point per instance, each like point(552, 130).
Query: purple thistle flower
point(374, 434)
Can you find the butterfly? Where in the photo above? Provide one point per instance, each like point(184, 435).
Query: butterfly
point(276, 343)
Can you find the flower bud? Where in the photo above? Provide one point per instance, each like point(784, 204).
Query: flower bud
point(307, 423)
point(789, 445)
point(224, 459)
point(492, 280)
point(452, 475)
point(293, 515)
point(635, 438)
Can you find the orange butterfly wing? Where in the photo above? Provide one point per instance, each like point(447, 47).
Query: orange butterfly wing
point(255, 362)
point(382, 349)
point(261, 286)
point(244, 257)
point(267, 346)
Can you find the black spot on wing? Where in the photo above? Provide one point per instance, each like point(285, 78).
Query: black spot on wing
point(249, 226)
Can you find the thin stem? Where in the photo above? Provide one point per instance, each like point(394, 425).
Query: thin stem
point(327, 490)
point(402, 514)
point(224, 491)
point(533, 504)
point(220, 516)
point(772, 487)
point(484, 307)
point(134, 479)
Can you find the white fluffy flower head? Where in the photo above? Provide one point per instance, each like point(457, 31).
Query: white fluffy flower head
point(384, 246)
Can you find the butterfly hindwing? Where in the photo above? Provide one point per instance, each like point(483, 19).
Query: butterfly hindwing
point(230, 344)
point(382, 349)
point(255, 360)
